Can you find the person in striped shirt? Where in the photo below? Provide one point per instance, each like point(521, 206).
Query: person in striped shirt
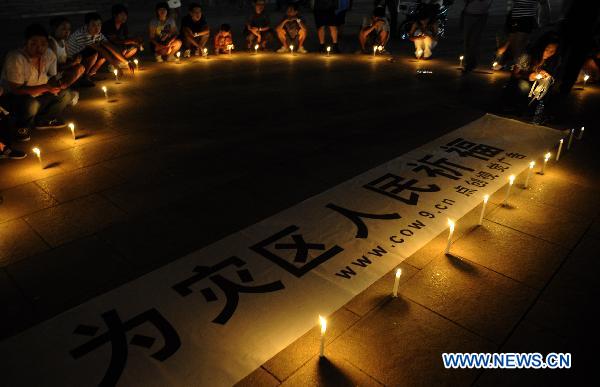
point(89, 42)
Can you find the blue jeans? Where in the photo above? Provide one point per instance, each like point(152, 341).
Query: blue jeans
point(29, 110)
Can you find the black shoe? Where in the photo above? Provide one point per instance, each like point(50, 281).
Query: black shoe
point(14, 154)
point(335, 48)
point(50, 124)
point(322, 49)
point(85, 82)
point(22, 134)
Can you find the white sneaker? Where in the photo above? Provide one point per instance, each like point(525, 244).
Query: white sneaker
point(75, 97)
point(159, 58)
point(171, 58)
point(282, 50)
point(301, 50)
point(111, 68)
point(187, 53)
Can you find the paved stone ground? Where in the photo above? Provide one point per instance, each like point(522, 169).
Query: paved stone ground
point(182, 155)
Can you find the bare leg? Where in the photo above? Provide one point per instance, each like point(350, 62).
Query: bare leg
point(281, 36)
point(321, 34)
point(88, 62)
point(73, 74)
point(130, 52)
point(301, 37)
point(333, 30)
point(362, 39)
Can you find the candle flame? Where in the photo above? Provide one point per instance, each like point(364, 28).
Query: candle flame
point(178, 54)
point(539, 76)
point(323, 323)
point(380, 48)
point(461, 57)
point(256, 46)
point(291, 47)
point(37, 151)
point(547, 156)
point(451, 224)
point(486, 197)
point(582, 128)
point(136, 61)
point(71, 126)
point(328, 48)
point(116, 72)
point(398, 272)
point(531, 164)
point(561, 141)
point(511, 179)
point(586, 77)
point(494, 64)
point(104, 89)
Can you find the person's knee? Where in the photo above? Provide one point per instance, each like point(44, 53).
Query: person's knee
point(79, 70)
point(280, 31)
point(31, 106)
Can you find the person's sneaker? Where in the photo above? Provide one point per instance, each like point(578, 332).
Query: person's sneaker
point(171, 58)
point(75, 97)
point(159, 58)
point(282, 50)
point(22, 134)
point(197, 52)
point(8, 153)
point(50, 124)
point(187, 53)
point(85, 82)
point(302, 50)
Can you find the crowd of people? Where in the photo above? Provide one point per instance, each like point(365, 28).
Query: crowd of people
point(39, 80)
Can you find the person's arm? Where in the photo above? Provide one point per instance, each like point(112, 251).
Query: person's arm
point(189, 35)
point(282, 24)
point(152, 35)
point(21, 89)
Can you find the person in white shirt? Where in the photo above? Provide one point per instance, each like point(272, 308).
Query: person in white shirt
point(69, 69)
point(35, 95)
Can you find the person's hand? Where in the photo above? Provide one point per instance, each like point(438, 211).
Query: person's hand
point(544, 74)
point(77, 59)
point(379, 23)
point(52, 89)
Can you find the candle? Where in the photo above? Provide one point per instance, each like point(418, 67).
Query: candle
point(485, 200)
point(292, 49)
point(451, 225)
point(136, 63)
point(380, 48)
point(531, 165)
point(38, 153)
point(511, 180)
point(538, 77)
point(116, 72)
point(205, 52)
point(229, 48)
point(494, 65)
point(374, 50)
point(105, 90)
point(546, 158)
point(72, 127)
point(462, 57)
point(328, 50)
point(256, 48)
point(323, 323)
point(585, 79)
point(396, 282)
point(581, 133)
point(178, 56)
point(570, 139)
point(560, 144)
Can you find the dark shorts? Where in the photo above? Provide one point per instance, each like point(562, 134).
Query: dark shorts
point(329, 18)
point(522, 24)
point(88, 52)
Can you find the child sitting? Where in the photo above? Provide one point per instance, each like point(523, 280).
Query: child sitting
point(223, 40)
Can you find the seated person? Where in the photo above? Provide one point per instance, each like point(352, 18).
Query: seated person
point(94, 49)
point(194, 31)
point(163, 34)
point(6, 152)
point(34, 95)
point(292, 30)
point(375, 31)
point(116, 31)
point(540, 62)
point(258, 27)
point(223, 39)
point(423, 34)
point(69, 70)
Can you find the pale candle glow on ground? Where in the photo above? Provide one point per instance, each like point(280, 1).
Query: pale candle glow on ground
point(581, 133)
point(323, 323)
point(396, 282)
point(72, 127)
point(450, 233)
point(511, 180)
point(546, 158)
point(560, 144)
point(531, 165)
point(486, 197)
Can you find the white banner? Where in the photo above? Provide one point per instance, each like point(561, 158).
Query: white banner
point(215, 315)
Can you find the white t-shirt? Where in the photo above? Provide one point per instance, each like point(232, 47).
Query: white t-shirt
point(19, 69)
point(368, 22)
point(61, 50)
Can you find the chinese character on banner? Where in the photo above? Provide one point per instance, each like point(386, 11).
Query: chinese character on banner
point(464, 190)
point(514, 155)
point(357, 218)
point(476, 182)
point(498, 167)
point(392, 185)
point(466, 148)
point(440, 167)
point(293, 255)
point(486, 175)
point(230, 288)
point(116, 335)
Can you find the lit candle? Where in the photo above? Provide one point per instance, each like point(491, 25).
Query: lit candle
point(380, 48)
point(256, 48)
point(292, 49)
point(116, 72)
point(450, 233)
point(538, 77)
point(560, 144)
point(72, 127)
point(546, 158)
point(229, 48)
point(570, 139)
point(105, 90)
point(38, 153)
point(485, 200)
point(494, 65)
point(205, 52)
point(581, 133)
point(374, 50)
point(396, 282)
point(511, 180)
point(328, 50)
point(136, 63)
point(323, 323)
point(531, 165)
point(462, 57)
point(178, 55)
point(585, 79)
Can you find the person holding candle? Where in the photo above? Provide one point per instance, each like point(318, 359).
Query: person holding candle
point(69, 70)
point(163, 34)
point(375, 31)
point(94, 49)
point(223, 39)
point(424, 31)
point(326, 15)
point(292, 30)
point(194, 31)
point(258, 27)
point(116, 31)
point(34, 94)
